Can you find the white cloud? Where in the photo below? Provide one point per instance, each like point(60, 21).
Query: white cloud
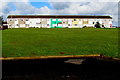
point(63, 7)
point(21, 8)
point(5, 9)
point(27, 8)
point(94, 8)
point(15, 1)
point(43, 10)
point(83, 0)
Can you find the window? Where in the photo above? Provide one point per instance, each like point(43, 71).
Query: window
point(63, 22)
point(59, 19)
point(65, 19)
point(75, 24)
point(21, 19)
point(59, 22)
point(91, 19)
point(54, 19)
point(27, 24)
point(74, 19)
point(43, 19)
point(37, 23)
point(47, 24)
point(68, 24)
point(16, 24)
point(26, 19)
point(15, 19)
point(85, 19)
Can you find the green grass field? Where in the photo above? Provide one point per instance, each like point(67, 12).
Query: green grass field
point(55, 41)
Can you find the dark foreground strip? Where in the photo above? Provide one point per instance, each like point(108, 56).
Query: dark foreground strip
point(51, 57)
point(98, 56)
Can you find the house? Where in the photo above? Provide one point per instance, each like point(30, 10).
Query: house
point(57, 21)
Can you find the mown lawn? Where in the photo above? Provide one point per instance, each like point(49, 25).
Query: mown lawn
point(55, 41)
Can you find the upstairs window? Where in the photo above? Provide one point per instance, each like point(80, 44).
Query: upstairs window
point(54, 19)
point(59, 19)
point(74, 19)
point(85, 19)
point(15, 19)
point(21, 19)
point(80, 19)
point(26, 19)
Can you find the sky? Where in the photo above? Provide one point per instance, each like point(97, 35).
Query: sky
point(60, 7)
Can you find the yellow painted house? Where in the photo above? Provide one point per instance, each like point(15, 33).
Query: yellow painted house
point(75, 23)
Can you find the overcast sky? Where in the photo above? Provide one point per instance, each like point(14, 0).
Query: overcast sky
point(60, 7)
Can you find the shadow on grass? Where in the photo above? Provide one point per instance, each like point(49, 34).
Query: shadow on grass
point(57, 69)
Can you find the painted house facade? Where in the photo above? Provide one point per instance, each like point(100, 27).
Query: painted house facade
point(57, 21)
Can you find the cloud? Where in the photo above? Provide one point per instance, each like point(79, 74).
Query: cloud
point(83, 0)
point(89, 8)
point(5, 9)
point(21, 8)
point(15, 0)
point(27, 8)
point(63, 7)
point(43, 10)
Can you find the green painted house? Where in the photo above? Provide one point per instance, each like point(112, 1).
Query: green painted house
point(56, 23)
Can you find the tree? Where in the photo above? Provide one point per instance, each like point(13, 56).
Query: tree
point(1, 20)
point(97, 25)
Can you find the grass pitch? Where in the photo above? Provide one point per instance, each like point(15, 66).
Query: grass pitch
point(55, 41)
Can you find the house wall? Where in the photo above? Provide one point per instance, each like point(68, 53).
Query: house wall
point(75, 23)
point(56, 22)
point(10, 23)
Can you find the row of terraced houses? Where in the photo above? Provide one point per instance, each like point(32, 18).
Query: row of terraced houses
point(57, 21)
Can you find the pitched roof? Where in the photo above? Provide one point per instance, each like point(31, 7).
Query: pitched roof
point(56, 16)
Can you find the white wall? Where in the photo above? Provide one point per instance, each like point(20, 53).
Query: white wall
point(35, 22)
point(32, 22)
